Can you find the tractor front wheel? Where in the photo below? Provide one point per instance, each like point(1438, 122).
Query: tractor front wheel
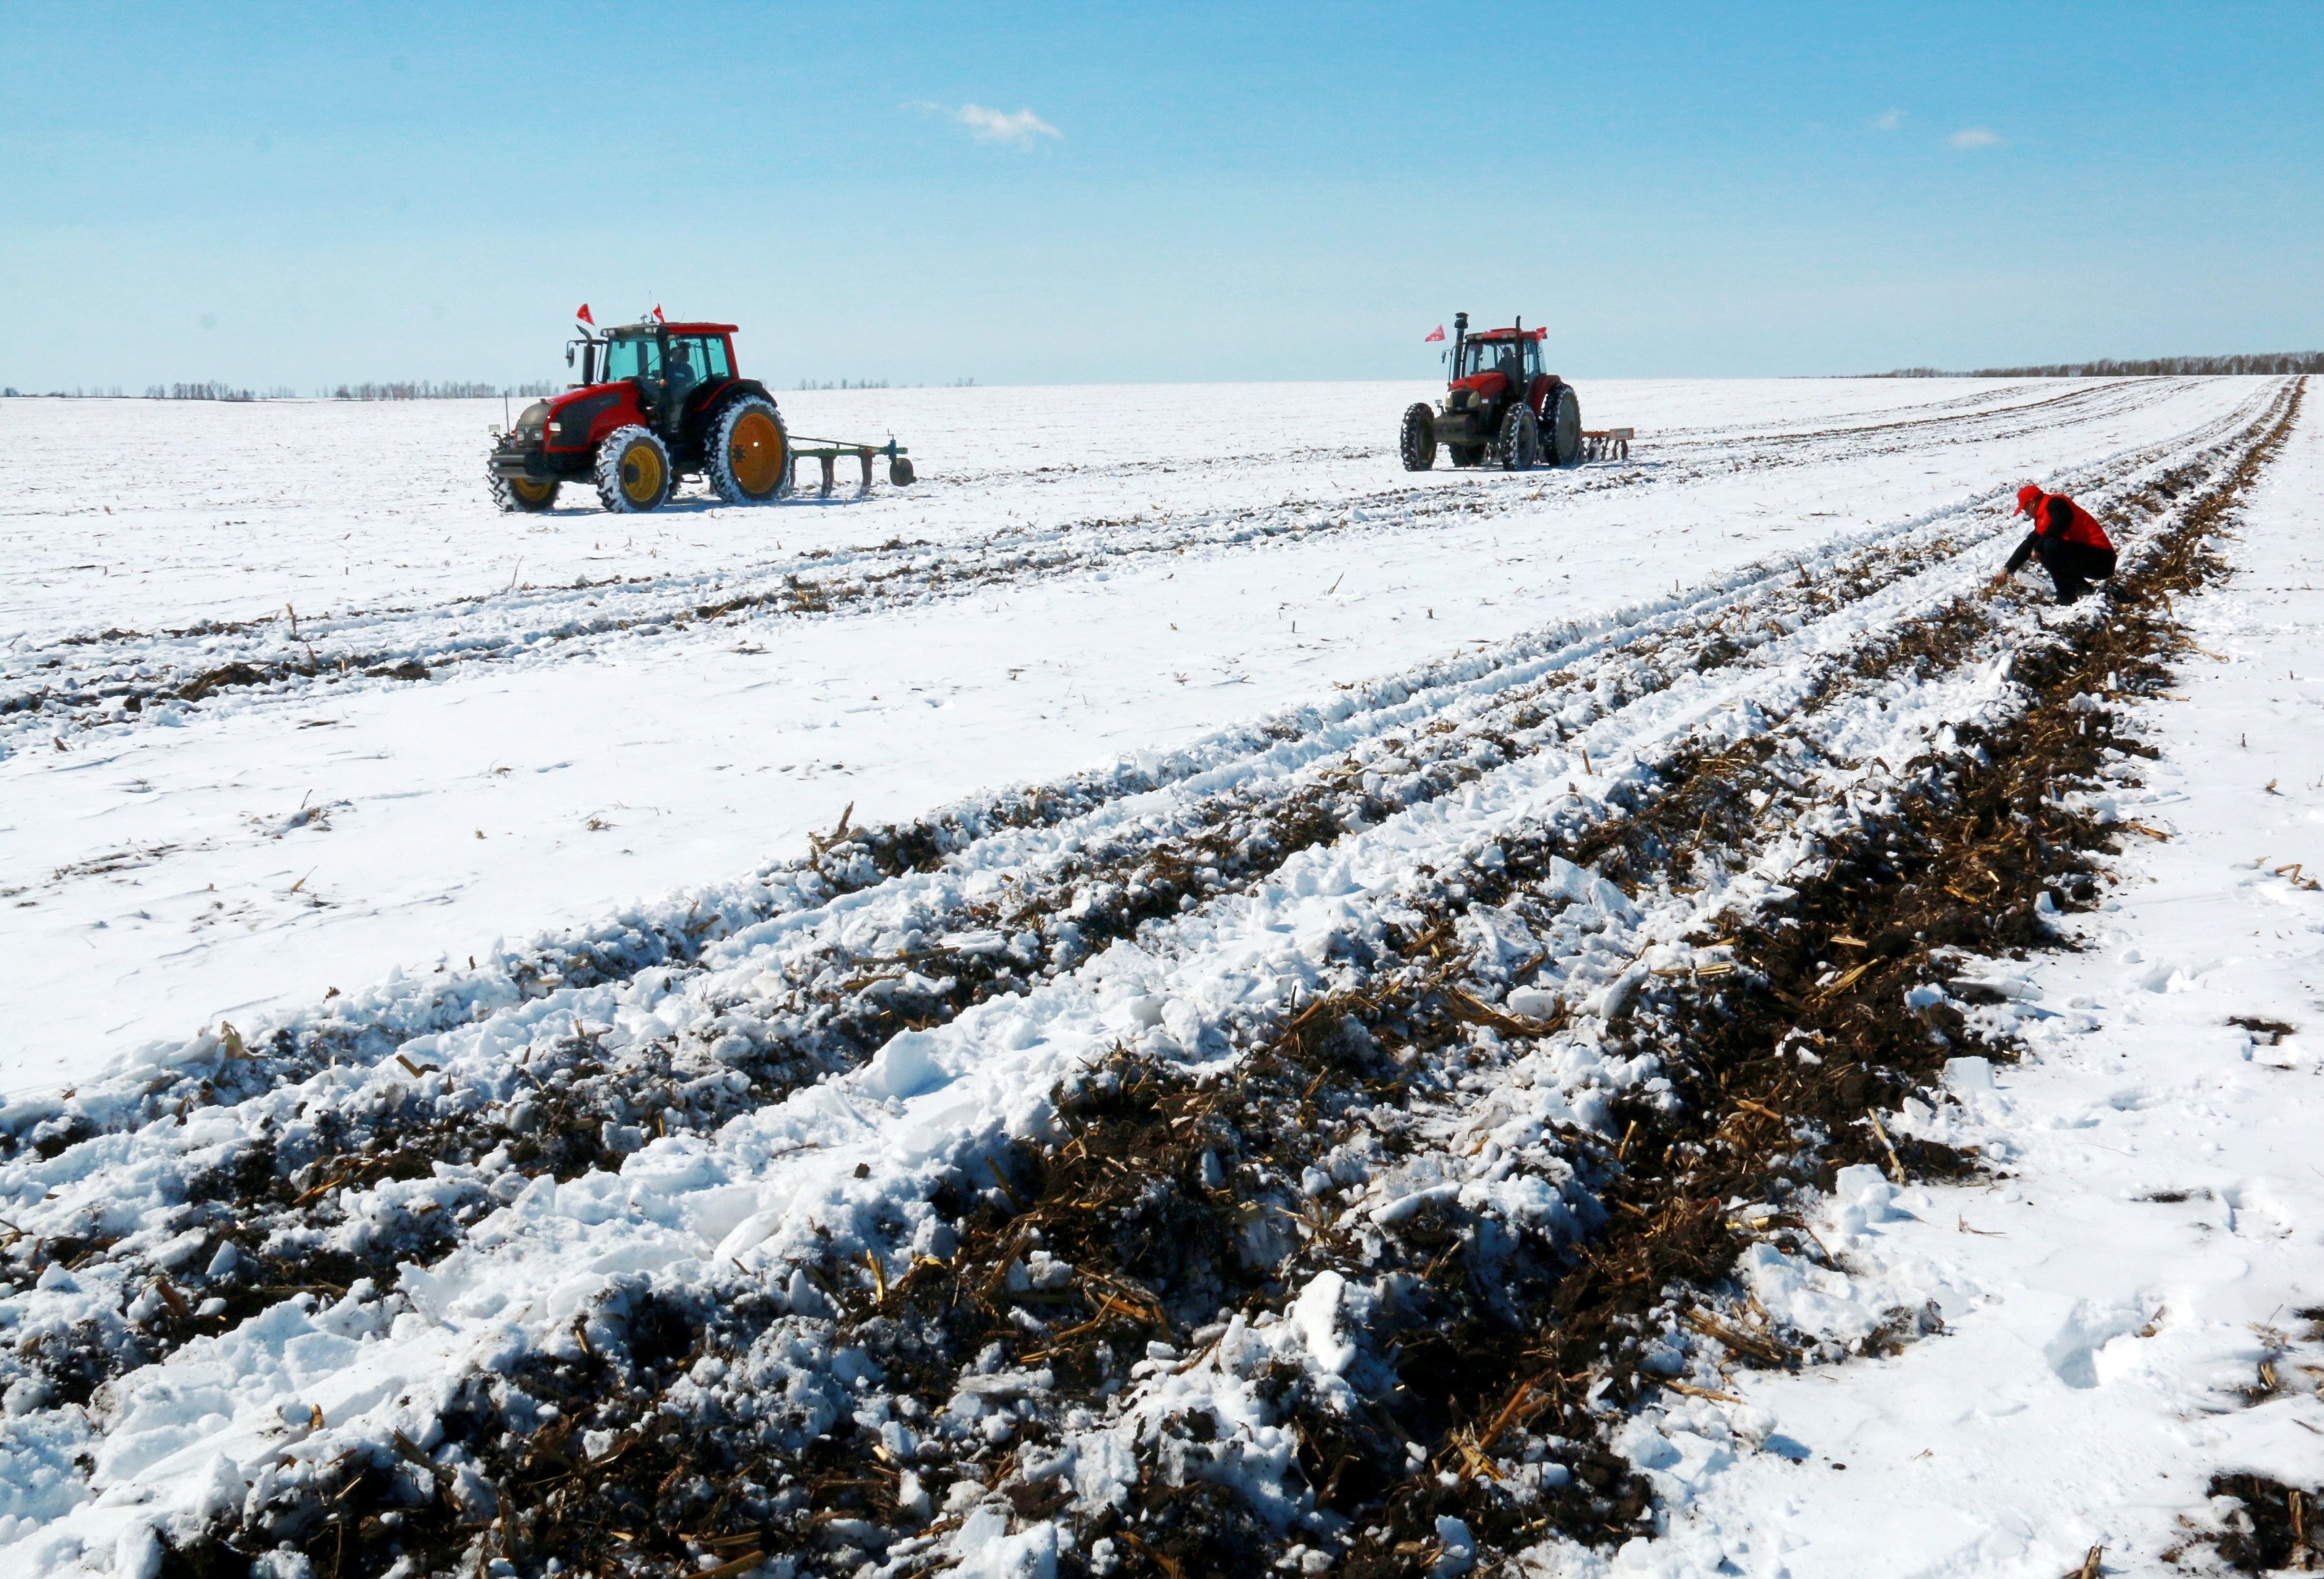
point(530, 496)
point(634, 473)
point(1416, 442)
point(1519, 448)
point(1564, 427)
point(749, 454)
point(1468, 454)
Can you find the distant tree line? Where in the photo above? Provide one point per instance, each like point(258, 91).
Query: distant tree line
point(202, 391)
point(434, 392)
point(877, 384)
point(2151, 367)
point(422, 391)
point(425, 391)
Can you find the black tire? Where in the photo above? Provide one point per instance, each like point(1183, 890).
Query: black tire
point(1564, 425)
point(633, 472)
point(900, 472)
point(1415, 442)
point(1468, 454)
point(522, 495)
point(748, 453)
point(1518, 446)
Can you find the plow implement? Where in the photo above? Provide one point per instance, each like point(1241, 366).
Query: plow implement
point(1606, 443)
point(830, 450)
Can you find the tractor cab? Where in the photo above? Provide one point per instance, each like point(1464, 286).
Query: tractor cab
point(676, 368)
point(1517, 359)
point(1492, 367)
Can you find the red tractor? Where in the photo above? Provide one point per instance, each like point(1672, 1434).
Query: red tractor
point(657, 402)
point(1500, 404)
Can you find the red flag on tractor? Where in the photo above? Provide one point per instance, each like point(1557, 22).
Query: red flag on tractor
point(658, 317)
point(584, 316)
point(1430, 339)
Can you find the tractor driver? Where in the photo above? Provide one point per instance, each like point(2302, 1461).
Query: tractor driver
point(680, 377)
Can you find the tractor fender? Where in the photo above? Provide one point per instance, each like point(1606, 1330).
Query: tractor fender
point(736, 389)
point(730, 390)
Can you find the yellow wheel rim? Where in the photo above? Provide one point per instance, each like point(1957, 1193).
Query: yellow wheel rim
point(641, 473)
point(755, 453)
point(531, 490)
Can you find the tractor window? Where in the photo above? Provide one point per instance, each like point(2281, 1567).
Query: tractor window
point(695, 359)
point(633, 357)
point(1485, 356)
point(685, 367)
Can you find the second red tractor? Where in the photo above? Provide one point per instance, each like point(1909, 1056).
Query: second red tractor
point(1499, 405)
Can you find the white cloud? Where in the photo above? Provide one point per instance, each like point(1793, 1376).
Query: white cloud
point(1976, 137)
point(1017, 131)
point(1889, 122)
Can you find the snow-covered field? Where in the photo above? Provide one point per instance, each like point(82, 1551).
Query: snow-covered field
point(1106, 572)
point(1191, 713)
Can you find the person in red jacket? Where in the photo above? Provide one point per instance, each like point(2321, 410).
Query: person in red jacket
point(2072, 546)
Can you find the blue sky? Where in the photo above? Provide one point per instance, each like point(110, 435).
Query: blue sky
point(304, 193)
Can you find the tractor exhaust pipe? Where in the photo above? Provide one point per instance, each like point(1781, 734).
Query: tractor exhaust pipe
point(1460, 333)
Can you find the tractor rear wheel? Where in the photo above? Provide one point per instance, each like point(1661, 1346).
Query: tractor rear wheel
point(1519, 448)
point(749, 455)
point(1416, 442)
point(530, 496)
point(634, 473)
point(1564, 426)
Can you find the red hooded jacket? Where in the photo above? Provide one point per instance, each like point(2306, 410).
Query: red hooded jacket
point(2057, 516)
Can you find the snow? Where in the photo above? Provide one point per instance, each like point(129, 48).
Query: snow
point(2084, 1338)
